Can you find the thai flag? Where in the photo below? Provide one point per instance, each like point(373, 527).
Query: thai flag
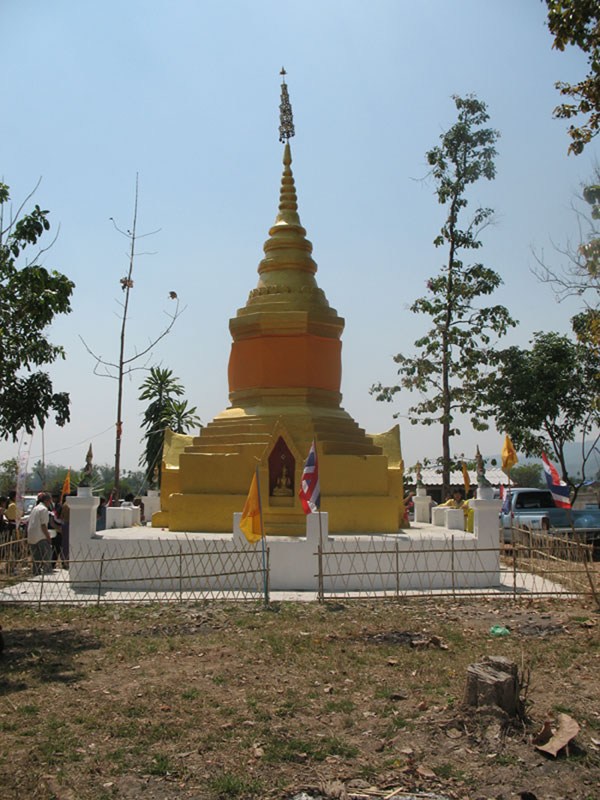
point(558, 488)
point(310, 493)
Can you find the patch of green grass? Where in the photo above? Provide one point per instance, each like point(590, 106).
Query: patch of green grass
point(29, 710)
point(159, 765)
point(562, 709)
point(447, 771)
point(161, 733)
point(295, 750)
point(229, 786)
point(506, 760)
point(134, 711)
point(57, 743)
point(257, 706)
point(384, 692)
point(218, 680)
point(591, 721)
point(343, 706)
point(191, 694)
point(8, 726)
point(276, 642)
point(126, 730)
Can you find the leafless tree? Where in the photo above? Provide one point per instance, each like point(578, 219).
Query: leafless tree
point(126, 364)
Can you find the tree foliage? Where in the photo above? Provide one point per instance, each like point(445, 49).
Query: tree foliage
point(452, 356)
point(30, 298)
point(527, 475)
point(547, 396)
point(577, 23)
point(8, 476)
point(164, 411)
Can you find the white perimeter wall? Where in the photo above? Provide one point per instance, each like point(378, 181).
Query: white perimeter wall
point(148, 559)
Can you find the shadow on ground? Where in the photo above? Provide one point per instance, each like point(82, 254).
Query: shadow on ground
point(34, 655)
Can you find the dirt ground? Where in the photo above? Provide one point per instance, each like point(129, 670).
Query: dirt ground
point(349, 700)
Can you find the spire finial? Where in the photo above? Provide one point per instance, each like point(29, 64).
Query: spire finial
point(286, 128)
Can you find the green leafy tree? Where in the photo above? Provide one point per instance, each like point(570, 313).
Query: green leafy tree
point(547, 396)
point(48, 476)
point(8, 476)
point(30, 298)
point(449, 369)
point(577, 23)
point(528, 475)
point(164, 411)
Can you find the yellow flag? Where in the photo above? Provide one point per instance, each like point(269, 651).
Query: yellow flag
point(250, 521)
point(466, 478)
point(66, 486)
point(509, 455)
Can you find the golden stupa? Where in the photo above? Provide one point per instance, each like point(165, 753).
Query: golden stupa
point(284, 389)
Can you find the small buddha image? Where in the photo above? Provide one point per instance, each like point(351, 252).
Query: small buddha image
point(283, 485)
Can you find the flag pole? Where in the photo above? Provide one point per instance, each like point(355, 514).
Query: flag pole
point(262, 541)
point(320, 524)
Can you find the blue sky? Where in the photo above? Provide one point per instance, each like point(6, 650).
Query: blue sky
point(187, 93)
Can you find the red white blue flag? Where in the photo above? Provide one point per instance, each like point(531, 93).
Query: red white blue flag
point(310, 493)
point(558, 488)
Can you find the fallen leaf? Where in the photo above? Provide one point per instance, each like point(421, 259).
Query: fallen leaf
point(566, 731)
point(425, 772)
point(453, 733)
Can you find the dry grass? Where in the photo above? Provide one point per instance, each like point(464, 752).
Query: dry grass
point(222, 702)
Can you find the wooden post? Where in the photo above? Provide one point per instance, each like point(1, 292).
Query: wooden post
point(100, 580)
point(180, 575)
point(320, 593)
point(41, 587)
point(452, 566)
point(397, 572)
point(514, 567)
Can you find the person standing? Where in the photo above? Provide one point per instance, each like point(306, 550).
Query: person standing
point(13, 515)
point(3, 523)
point(38, 535)
point(55, 526)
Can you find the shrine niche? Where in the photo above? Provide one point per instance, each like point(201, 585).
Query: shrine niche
point(282, 465)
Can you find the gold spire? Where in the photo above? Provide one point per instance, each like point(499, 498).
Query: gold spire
point(287, 247)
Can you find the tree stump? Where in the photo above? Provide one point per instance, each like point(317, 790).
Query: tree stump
point(494, 682)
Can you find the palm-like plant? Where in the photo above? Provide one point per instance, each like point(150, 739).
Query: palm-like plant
point(179, 417)
point(160, 387)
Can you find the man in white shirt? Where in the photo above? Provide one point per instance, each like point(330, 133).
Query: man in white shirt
point(38, 535)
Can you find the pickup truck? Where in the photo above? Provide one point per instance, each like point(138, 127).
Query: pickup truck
point(535, 509)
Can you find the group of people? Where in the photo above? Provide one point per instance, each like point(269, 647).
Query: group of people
point(48, 526)
point(47, 529)
point(48, 532)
